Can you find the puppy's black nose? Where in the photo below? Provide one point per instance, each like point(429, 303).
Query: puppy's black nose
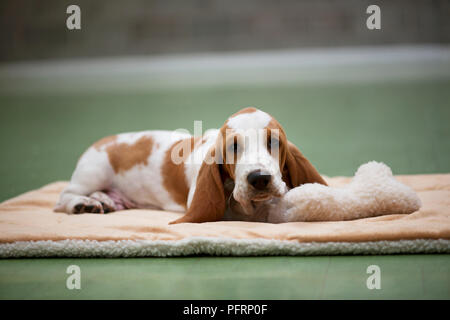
point(258, 180)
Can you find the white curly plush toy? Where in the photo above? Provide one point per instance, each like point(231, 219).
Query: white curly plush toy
point(373, 191)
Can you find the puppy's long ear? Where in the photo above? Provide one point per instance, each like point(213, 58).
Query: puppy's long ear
point(298, 170)
point(208, 203)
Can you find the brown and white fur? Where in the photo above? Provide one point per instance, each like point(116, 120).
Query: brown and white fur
point(227, 174)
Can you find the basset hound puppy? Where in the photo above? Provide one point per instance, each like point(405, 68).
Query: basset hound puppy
point(238, 172)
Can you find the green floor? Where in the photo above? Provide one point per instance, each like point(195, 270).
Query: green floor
point(402, 277)
point(337, 127)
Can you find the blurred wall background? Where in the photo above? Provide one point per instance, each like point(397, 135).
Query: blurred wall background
point(37, 30)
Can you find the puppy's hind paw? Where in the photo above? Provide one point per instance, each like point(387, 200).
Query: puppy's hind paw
point(106, 202)
point(87, 205)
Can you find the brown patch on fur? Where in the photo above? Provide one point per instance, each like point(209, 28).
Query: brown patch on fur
point(124, 156)
point(97, 145)
point(174, 179)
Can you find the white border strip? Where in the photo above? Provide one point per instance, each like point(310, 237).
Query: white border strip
point(214, 247)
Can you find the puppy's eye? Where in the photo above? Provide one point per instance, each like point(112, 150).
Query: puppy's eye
point(272, 144)
point(234, 147)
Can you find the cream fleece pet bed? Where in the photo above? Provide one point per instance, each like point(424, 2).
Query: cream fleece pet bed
point(30, 228)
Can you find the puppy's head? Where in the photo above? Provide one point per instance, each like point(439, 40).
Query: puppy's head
point(251, 163)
